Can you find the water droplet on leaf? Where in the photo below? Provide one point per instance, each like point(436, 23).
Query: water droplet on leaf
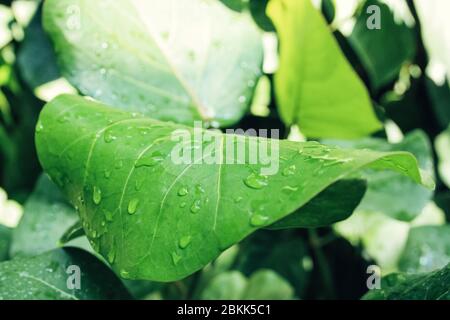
point(256, 181)
point(97, 195)
point(132, 206)
point(184, 242)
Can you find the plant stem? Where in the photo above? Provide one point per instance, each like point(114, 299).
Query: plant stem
point(322, 263)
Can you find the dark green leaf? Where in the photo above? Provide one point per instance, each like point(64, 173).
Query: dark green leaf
point(168, 69)
point(336, 203)
point(286, 253)
point(140, 209)
point(427, 286)
point(36, 58)
point(427, 249)
point(46, 277)
point(5, 242)
point(316, 87)
point(47, 215)
point(382, 51)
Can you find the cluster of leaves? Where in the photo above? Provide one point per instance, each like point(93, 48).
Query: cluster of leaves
point(358, 108)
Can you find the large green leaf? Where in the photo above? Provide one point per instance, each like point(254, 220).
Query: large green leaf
point(382, 51)
point(178, 60)
point(47, 215)
point(427, 249)
point(390, 192)
point(427, 286)
point(316, 87)
point(46, 277)
point(155, 219)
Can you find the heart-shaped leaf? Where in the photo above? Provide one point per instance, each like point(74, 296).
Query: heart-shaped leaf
point(316, 87)
point(180, 60)
point(156, 218)
point(62, 274)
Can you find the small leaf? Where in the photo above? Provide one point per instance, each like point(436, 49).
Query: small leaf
point(75, 154)
point(316, 87)
point(427, 249)
point(46, 277)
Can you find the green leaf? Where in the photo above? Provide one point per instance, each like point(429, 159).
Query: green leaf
point(285, 253)
point(427, 249)
point(47, 216)
point(390, 192)
point(427, 286)
point(201, 64)
point(336, 203)
point(267, 285)
point(262, 285)
point(5, 242)
point(382, 51)
point(316, 87)
point(155, 219)
point(226, 286)
point(36, 58)
point(442, 146)
point(46, 277)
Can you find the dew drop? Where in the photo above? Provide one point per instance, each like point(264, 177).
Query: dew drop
point(199, 188)
point(97, 195)
point(258, 220)
point(39, 127)
point(238, 199)
point(119, 164)
point(289, 171)
point(242, 99)
point(149, 161)
point(183, 192)
point(183, 204)
point(108, 216)
point(184, 242)
point(107, 174)
point(132, 206)
point(289, 189)
point(196, 206)
point(109, 137)
point(124, 274)
point(111, 255)
point(175, 258)
point(256, 181)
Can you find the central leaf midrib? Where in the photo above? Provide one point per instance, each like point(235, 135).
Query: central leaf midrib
point(202, 110)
